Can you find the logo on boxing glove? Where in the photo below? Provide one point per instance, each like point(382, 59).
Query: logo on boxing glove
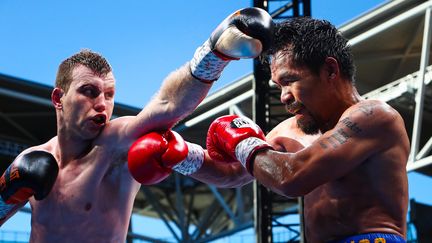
point(241, 122)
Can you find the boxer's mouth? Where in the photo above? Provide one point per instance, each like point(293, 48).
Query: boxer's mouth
point(99, 119)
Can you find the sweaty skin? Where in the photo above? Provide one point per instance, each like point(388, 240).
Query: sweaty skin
point(92, 198)
point(351, 173)
point(353, 177)
point(357, 188)
point(228, 174)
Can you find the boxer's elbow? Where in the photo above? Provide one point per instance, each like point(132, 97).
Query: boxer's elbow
point(292, 189)
point(292, 186)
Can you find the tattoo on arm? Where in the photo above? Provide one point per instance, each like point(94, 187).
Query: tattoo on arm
point(340, 135)
point(350, 125)
point(323, 144)
point(350, 128)
point(335, 139)
point(366, 109)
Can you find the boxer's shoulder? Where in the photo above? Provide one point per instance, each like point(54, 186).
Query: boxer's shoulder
point(370, 109)
point(283, 128)
point(372, 117)
point(48, 146)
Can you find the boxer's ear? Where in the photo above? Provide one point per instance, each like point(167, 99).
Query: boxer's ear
point(56, 96)
point(331, 66)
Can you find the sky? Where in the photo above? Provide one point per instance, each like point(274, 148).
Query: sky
point(143, 40)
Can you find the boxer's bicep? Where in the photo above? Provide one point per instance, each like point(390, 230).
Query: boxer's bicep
point(358, 135)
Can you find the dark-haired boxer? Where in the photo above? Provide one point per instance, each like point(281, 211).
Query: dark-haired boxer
point(93, 195)
point(345, 155)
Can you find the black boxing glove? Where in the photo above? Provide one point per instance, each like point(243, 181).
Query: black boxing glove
point(244, 34)
point(32, 174)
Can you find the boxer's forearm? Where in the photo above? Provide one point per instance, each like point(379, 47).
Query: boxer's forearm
point(178, 96)
point(8, 210)
point(244, 34)
point(181, 93)
point(222, 174)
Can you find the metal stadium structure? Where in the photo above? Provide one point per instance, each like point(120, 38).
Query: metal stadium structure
point(391, 47)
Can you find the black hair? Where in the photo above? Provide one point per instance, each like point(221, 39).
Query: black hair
point(310, 41)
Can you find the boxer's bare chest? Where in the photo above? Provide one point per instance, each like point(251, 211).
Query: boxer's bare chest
point(84, 189)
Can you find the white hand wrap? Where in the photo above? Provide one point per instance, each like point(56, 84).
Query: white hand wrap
point(193, 161)
point(245, 148)
point(205, 65)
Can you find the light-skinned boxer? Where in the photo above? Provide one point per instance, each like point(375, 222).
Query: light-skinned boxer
point(93, 195)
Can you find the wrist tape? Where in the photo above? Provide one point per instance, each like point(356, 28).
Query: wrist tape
point(193, 161)
point(206, 66)
point(245, 149)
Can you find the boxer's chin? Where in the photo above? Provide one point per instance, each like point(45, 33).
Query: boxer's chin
point(307, 124)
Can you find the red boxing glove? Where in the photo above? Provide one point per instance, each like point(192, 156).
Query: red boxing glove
point(151, 157)
point(233, 137)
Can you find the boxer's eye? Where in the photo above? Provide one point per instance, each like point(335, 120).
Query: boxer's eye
point(109, 95)
point(90, 91)
point(289, 81)
point(277, 85)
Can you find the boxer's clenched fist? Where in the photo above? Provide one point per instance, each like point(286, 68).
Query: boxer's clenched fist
point(152, 157)
point(234, 137)
point(243, 34)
